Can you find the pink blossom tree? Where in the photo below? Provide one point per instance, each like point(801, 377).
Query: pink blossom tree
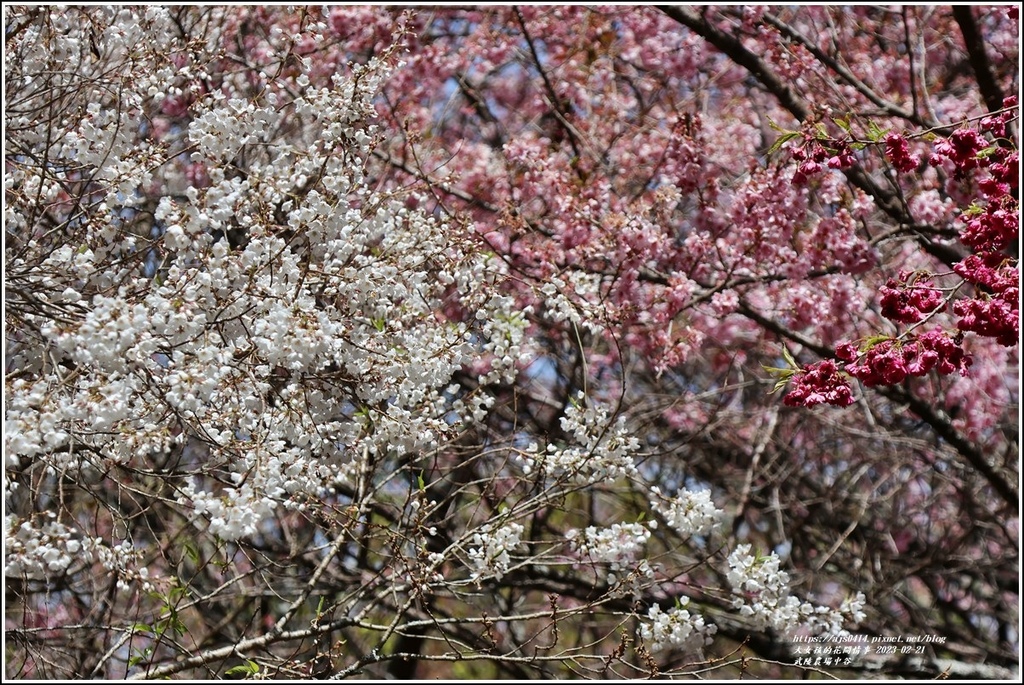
point(511, 342)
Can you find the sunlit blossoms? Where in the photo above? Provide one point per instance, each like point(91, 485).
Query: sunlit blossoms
point(677, 627)
point(490, 554)
point(690, 512)
point(762, 594)
point(291, 361)
point(49, 549)
point(601, 451)
point(961, 148)
point(618, 546)
point(990, 226)
point(996, 317)
point(890, 361)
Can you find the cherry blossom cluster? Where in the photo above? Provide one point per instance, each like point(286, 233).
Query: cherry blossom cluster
point(997, 318)
point(897, 151)
point(819, 383)
point(42, 550)
point(761, 593)
point(617, 546)
point(50, 549)
point(961, 148)
point(690, 512)
point(819, 151)
point(888, 362)
point(993, 224)
point(997, 314)
point(603, 451)
point(990, 229)
point(906, 300)
point(261, 288)
point(504, 334)
point(279, 365)
point(124, 561)
point(995, 227)
point(489, 557)
point(677, 628)
point(572, 299)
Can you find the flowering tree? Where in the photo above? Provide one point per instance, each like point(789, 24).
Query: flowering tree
point(518, 342)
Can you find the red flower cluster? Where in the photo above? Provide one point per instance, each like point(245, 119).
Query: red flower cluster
point(1005, 172)
point(990, 270)
point(806, 169)
point(994, 228)
point(820, 383)
point(997, 317)
point(990, 226)
point(990, 231)
point(997, 124)
point(909, 303)
point(892, 361)
point(962, 147)
point(898, 152)
point(815, 152)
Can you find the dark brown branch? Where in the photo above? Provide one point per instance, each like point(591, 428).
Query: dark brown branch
point(975, 44)
point(558, 108)
point(845, 74)
point(944, 428)
point(734, 49)
point(941, 424)
point(886, 200)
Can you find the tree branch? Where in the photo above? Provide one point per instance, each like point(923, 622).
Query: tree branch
point(845, 74)
point(939, 423)
point(735, 50)
point(944, 428)
point(975, 44)
point(556, 102)
point(888, 201)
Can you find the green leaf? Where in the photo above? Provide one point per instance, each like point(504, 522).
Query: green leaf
point(779, 386)
point(192, 551)
point(982, 154)
point(243, 670)
point(419, 482)
point(177, 594)
point(778, 128)
point(783, 375)
point(782, 140)
point(777, 370)
point(873, 340)
point(842, 122)
point(973, 210)
point(875, 134)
